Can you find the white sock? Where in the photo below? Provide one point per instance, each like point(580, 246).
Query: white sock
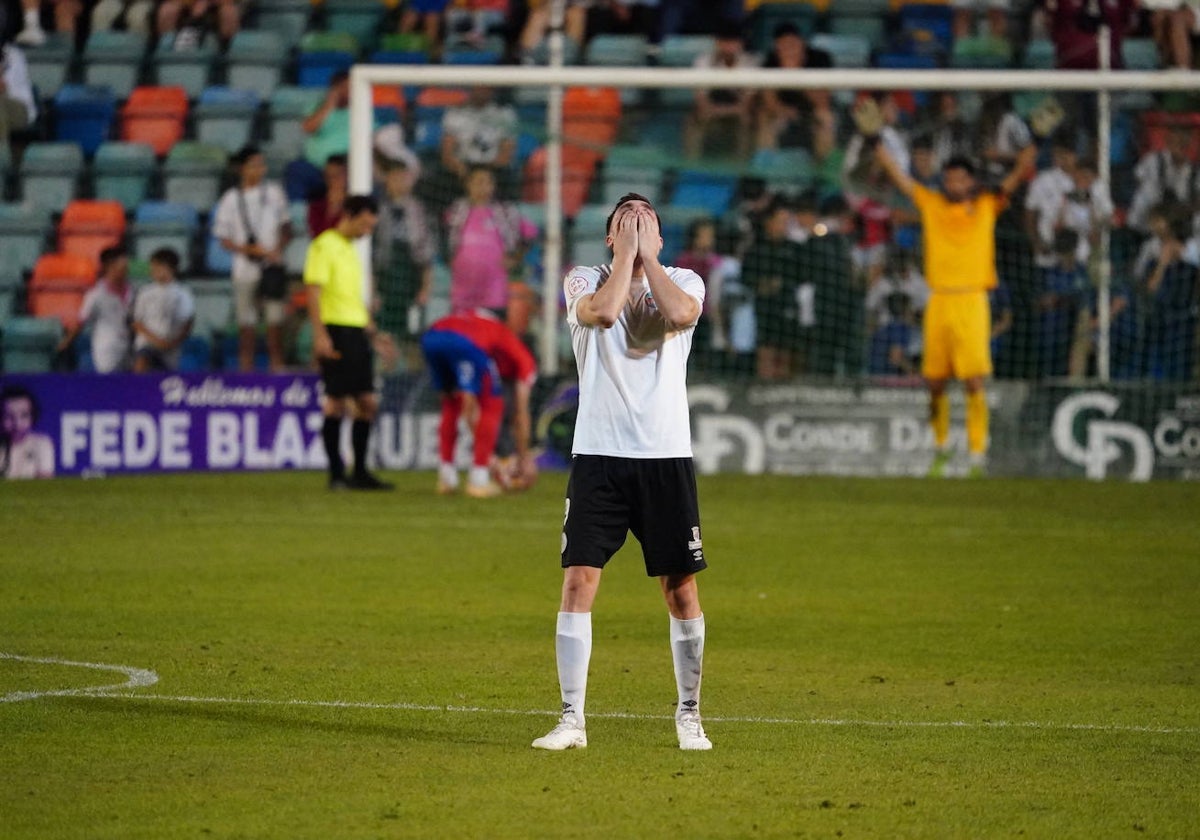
point(33, 19)
point(479, 476)
point(687, 651)
point(573, 648)
point(448, 475)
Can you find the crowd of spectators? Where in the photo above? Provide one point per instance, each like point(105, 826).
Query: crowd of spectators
point(823, 279)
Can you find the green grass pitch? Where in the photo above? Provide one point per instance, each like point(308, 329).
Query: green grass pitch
point(885, 659)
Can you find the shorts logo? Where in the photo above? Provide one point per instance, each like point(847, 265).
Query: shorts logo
point(694, 543)
point(576, 285)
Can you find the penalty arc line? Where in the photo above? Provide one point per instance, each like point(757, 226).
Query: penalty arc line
point(143, 678)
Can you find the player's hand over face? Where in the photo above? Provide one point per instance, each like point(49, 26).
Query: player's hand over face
point(648, 235)
point(625, 236)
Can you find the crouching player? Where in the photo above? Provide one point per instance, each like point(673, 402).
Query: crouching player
point(469, 356)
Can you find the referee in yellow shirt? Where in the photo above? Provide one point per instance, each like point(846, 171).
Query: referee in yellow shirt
point(958, 227)
point(342, 330)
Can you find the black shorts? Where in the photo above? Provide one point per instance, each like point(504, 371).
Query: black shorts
point(655, 498)
point(354, 372)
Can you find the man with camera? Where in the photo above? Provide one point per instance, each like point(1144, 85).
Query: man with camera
point(252, 221)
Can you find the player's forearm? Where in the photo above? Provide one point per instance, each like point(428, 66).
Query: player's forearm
point(673, 303)
point(606, 304)
point(314, 310)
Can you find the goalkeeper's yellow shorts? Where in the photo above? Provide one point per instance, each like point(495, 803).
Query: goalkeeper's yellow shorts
point(957, 336)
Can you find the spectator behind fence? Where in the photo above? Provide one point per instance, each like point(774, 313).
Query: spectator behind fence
point(700, 255)
point(772, 269)
point(65, 14)
point(1174, 23)
point(193, 22)
point(426, 17)
point(486, 238)
point(253, 222)
point(1172, 286)
point(624, 17)
point(949, 133)
point(18, 108)
point(127, 15)
point(480, 133)
point(1074, 24)
point(836, 313)
point(1002, 135)
point(537, 23)
point(1067, 195)
point(105, 311)
point(405, 246)
point(896, 342)
point(996, 12)
point(1063, 292)
point(722, 112)
point(325, 209)
point(1167, 175)
point(163, 314)
point(327, 129)
point(796, 118)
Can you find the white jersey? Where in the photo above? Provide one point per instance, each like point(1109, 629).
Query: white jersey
point(633, 399)
point(107, 313)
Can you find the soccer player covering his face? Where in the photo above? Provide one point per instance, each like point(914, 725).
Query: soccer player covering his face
point(631, 330)
point(959, 237)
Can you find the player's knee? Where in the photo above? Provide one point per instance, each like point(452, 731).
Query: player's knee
point(682, 596)
point(579, 588)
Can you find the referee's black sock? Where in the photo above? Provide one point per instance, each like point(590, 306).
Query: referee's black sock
point(331, 434)
point(360, 434)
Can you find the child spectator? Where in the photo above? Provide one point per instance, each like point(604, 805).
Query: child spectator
point(105, 311)
point(1172, 285)
point(796, 118)
point(325, 209)
point(700, 255)
point(1063, 290)
point(163, 314)
point(896, 343)
point(721, 112)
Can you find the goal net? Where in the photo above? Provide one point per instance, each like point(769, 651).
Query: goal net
point(812, 261)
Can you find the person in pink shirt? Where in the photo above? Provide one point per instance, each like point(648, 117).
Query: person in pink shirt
point(486, 238)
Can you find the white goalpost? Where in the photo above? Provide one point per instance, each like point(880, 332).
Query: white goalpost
point(557, 78)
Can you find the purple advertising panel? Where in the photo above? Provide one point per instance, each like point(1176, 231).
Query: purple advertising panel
point(98, 425)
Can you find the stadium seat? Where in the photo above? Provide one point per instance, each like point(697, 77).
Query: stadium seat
point(790, 169)
point(984, 53)
point(8, 297)
point(49, 174)
point(322, 54)
point(845, 50)
point(255, 61)
point(905, 61)
point(195, 355)
point(192, 174)
point(84, 114)
point(114, 59)
point(288, 18)
point(123, 172)
point(683, 50)
point(31, 343)
point(216, 259)
point(579, 166)
point(286, 111)
point(606, 50)
point(675, 221)
point(164, 224)
point(572, 52)
point(155, 116)
point(862, 8)
point(24, 230)
point(591, 117)
point(712, 191)
point(214, 306)
point(929, 27)
point(1039, 54)
point(483, 55)
point(620, 178)
point(360, 18)
point(589, 223)
point(225, 117)
point(58, 285)
point(89, 226)
point(190, 69)
point(1140, 54)
point(50, 63)
point(870, 27)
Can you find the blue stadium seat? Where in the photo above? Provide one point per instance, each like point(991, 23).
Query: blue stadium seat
point(905, 61)
point(84, 114)
point(929, 27)
point(323, 54)
point(123, 172)
point(164, 224)
point(195, 355)
point(216, 259)
point(712, 191)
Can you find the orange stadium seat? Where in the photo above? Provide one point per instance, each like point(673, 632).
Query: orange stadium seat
point(1156, 124)
point(58, 285)
point(579, 167)
point(155, 116)
point(90, 226)
point(591, 116)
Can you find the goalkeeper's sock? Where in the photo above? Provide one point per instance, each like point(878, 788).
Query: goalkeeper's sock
point(360, 435)
point(939, 419)
point(687, 652)
point(977, 423)
point(331, 434)
point(448, 428)
point(573, 650)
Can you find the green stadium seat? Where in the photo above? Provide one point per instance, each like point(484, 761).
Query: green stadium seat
point(30, 344)
point(214, 306)
point(256, 61)
point(360, 18)
point(225, 117)
point(24, 232)
point(286, 110)
point(50, 64)
point(845, 50)
point(1039, 54)
point(189, 69)
point(192, 174)
point(1140, 54)
point(49, 174)
point(114, 59)
point(870, 27)
point(287, 18)
point(983, 53)
point(617, 51)
point(164, 224)
point(683, 50)
point(123, 172)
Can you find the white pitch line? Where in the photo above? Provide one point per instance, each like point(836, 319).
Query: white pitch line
point(141, 678)
point(137, 678)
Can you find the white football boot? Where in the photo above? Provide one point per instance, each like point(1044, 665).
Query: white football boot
point(567, 735)
point(691, 733)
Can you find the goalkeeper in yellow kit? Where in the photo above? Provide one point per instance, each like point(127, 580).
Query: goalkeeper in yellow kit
point(959, 240)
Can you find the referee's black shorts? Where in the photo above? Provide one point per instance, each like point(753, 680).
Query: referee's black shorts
point(655, 498)
point(353, 372)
